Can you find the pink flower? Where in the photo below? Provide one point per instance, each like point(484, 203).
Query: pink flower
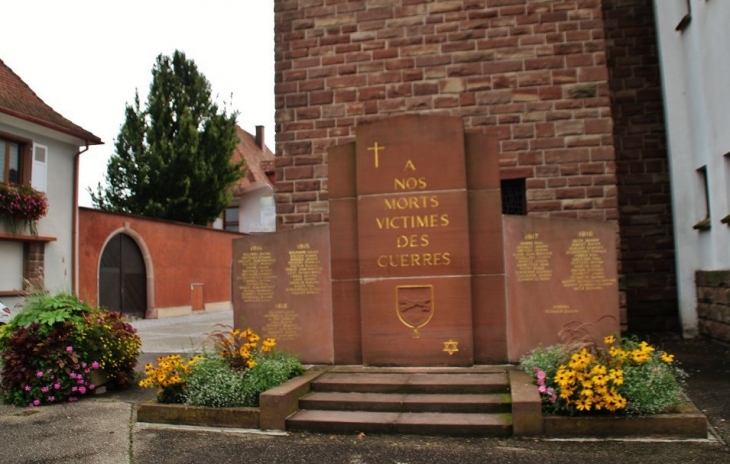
point(94, 365)
point(554, 398)
point(69, 348)
point(57, 385)
point(73, 389)
point(541, 375)
point(82, 390)
point(44, 389)
point(92, 386)
point(542, 389)
point(80, 381)
point(39, 374)
point(36, 402)
point(71, 399)
point(51, 399)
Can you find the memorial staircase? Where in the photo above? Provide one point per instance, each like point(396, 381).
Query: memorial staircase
point(425, 401)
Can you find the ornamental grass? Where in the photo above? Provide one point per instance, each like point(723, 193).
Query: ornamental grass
point(628, 376)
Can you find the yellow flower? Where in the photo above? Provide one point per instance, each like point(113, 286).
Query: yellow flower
point(583, 404)
point(609, 340)
point(645, 347)
point(667, 358)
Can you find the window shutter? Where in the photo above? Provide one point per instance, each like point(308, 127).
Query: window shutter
point(39, 173)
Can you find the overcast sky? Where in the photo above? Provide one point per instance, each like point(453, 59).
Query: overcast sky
point(85, 58)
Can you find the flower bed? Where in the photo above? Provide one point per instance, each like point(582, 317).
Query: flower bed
point(234, 375)
point(51, 350)
point(627, 377)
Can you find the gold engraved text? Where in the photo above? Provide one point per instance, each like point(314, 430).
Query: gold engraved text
point(257, 276)
point(586, 264)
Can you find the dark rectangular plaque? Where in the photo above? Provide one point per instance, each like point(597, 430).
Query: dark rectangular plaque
point(561, 280)
point(282, 289)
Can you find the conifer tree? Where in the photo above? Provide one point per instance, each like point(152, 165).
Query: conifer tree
point(172, 159)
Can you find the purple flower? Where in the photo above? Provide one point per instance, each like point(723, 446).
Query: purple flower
point(94, 365)
point(39, 374)
point(69, 349)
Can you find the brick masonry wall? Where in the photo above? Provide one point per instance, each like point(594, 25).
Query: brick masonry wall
point(713, 303)
point(533, 72)
point(645, 209)
point(541, 75)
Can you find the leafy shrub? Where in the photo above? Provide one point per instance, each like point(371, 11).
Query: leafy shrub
point(630, 376)
point(50, 348)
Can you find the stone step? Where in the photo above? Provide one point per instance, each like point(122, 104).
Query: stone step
point(401, 402)
point(447, 383)
point(493, 425)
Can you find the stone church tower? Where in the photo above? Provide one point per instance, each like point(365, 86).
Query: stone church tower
point(571, 87)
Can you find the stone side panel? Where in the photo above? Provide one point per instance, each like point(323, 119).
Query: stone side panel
point(533, 73)
point(713, 303)
point(645, 211)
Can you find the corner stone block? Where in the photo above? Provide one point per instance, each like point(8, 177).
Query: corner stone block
point(526, 406)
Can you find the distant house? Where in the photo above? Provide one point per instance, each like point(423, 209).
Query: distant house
point(39, 148)
point(252, 208)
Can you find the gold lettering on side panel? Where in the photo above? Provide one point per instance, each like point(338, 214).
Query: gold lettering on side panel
point(257, 275)
point(533, 259)
point(305, 271)
point(414, 306)
point(586, 263)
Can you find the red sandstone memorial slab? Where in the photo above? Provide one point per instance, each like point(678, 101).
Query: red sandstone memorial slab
point(413, 234)
point(413, 229)
point(410, 153)
point(282, 289)
point(561, 279)
point(417, 322)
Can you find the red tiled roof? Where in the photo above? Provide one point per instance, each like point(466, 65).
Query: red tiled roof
point(257, 160)
point(17, 99)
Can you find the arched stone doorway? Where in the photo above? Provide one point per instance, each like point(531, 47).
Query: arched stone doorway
point(123, 277)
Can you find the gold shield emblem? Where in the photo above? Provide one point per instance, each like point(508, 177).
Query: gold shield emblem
point(414, 306)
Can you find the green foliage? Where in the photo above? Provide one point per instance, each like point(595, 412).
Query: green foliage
point(50, 348)
point(172, 159)
point(213, 382)
point(48, 310)
point(629, 377)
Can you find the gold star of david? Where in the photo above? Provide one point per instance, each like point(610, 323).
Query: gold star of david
point(451, 346)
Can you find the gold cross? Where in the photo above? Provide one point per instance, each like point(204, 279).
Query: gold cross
point(451, 346)
point(375, 148)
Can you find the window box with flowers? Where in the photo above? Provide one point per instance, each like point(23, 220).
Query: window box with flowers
point(21, 207)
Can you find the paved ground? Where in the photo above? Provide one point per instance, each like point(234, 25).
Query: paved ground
point(103, 430)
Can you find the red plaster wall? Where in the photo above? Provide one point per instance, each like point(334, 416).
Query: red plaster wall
point(181, 255)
